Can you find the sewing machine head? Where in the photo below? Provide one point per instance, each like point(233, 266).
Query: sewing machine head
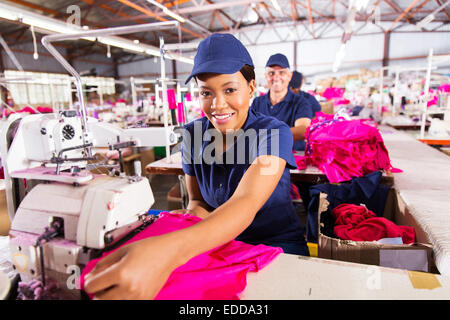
point(92, 217)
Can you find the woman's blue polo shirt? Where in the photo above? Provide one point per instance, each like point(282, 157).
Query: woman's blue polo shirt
point(218, 178)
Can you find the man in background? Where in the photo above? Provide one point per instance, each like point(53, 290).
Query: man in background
point(295, 85)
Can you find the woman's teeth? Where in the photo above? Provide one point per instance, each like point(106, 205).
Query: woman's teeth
point(222, 116)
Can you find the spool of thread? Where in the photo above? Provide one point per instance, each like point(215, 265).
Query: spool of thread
point(172, 104)
point(171, 99)
point(188, 97)
point(137, 167)
point(181, 119)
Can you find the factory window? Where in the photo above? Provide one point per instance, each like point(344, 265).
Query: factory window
point(50, 89)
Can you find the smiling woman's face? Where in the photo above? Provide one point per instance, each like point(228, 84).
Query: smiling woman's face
point(225, 99)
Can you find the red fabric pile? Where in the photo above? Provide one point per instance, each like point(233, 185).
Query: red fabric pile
point(344, 149)
point(357, 223)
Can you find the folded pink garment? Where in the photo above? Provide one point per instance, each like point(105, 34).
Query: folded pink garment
point(218, 274)
point(344, 149)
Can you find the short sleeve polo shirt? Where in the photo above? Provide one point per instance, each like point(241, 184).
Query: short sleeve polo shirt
point(313, 103)
point(288, 110)
point(218, 177)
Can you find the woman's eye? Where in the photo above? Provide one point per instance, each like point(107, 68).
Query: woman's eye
point(205, 93)
point(230, 90)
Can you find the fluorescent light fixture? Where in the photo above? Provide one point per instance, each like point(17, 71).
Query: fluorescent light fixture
point(167, 11)
point(155, 53)
point(359, 4)
point(422, 23)
point(339, 57)
point(51, 26)
point(174, 15)
point(124, 44)
point(276, 5)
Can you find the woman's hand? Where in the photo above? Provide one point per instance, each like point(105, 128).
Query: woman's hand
point(197, 211)
point(136, 271)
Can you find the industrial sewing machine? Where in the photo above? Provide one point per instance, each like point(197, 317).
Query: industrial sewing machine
point(63, 215)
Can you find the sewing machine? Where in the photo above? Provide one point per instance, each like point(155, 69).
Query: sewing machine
point(62, 215)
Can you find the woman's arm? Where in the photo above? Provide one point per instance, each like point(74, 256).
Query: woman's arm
point(139, 270)
point(299, 128)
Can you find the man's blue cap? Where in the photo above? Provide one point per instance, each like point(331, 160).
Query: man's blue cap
point(278, 60)
point(220, 53)
point(296, 80)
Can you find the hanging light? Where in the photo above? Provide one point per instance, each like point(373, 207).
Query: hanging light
point(35, 53)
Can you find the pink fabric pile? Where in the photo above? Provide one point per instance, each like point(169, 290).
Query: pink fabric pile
point(344, 149)
point(218, 274)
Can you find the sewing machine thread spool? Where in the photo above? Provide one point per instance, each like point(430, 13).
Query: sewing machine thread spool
point(181, 118)
point(172, 104)
point(137, 168)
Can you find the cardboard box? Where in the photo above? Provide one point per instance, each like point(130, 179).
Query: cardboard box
point(5, 223)
point(327, 107)
point(401, 256)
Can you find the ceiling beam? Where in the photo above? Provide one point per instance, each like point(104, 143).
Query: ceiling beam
point(400, 17)
point(311, 21)
point(37, 7)
point(223, 13)
point(157, 17)
point(215, 6)
point(445, 9)
point(294, 13)
point(266, 7)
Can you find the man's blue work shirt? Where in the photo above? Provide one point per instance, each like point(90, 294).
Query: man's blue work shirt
point(277, 219)
point(312, 101)
point(288, 110)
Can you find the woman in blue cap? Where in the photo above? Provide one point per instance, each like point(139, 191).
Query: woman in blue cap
point(236, 163)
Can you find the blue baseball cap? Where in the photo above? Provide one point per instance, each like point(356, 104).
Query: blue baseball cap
point(220, 53)
point(279, 60)
point(296, 80)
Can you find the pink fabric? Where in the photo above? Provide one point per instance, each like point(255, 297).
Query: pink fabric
point(432, 97)
point(180, 109)
point(44, 109)
point(444, 87)
point(357, 223)
point(301, 162)
point(333, 92)
point(340, 101)
point(172, 101)
point(218, 274)
point(344, 149)
point(27, 109)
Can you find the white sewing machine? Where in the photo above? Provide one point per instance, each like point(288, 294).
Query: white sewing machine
point(43, 156)
point(63, 216)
